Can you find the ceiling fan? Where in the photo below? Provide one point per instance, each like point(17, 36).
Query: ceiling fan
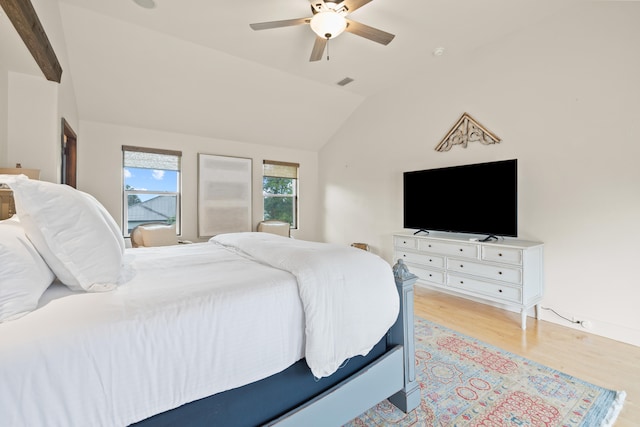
point(329, 20)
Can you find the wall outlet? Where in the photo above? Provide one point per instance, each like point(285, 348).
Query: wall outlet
point(586, 324)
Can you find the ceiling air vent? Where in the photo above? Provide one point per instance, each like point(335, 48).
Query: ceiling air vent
point(345, 81)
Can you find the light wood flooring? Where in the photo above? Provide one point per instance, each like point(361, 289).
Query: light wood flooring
point(607, 363)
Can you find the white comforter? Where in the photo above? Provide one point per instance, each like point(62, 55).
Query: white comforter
point(349, 295)
point(186, 322)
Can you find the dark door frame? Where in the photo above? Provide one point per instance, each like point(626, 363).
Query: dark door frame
point(69, 154)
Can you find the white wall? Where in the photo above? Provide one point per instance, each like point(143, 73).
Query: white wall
point(33, 127)
point(30, 116)
point(4, 112)
point(563, 96)
point(100, 170)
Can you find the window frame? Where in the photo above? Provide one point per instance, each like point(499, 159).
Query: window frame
point(126, 193)
point(296, 189)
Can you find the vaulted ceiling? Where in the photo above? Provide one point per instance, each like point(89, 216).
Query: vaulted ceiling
point(196, 67)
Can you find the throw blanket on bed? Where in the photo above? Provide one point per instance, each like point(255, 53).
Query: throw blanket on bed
point(348, 295)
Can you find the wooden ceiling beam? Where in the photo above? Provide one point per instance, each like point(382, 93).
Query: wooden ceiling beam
point(25, 20)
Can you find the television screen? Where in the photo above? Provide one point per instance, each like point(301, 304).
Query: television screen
point(479, 199)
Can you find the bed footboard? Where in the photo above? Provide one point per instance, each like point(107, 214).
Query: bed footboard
point(392, 376)
point(402, 333)
point(351, 397)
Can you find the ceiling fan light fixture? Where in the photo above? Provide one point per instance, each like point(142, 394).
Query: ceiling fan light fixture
point(328, 24)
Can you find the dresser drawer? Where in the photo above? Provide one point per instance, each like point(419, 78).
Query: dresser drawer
point(446, 248)
point(495, 272)
point(405, 242)
point(501, 254)
point(428, 275)
point(421, 258)
point(505, 293)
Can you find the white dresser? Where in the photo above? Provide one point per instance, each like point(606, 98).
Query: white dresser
point(508, 272)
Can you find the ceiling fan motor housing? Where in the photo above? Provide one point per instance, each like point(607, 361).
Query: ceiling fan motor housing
point(328, 24)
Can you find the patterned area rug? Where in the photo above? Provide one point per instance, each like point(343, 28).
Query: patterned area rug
point(465, 382)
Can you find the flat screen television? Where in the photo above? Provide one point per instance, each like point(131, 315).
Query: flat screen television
point(479, 198)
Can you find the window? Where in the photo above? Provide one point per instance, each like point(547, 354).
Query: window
point(280, 191)
point(151, 187)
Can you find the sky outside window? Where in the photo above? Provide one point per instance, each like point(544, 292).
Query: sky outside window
point(150, 180)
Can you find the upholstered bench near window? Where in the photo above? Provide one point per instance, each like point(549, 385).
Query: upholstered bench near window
point(275, 227)
point(154, 234)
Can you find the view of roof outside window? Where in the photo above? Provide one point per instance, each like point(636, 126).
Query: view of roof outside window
point(151, 196)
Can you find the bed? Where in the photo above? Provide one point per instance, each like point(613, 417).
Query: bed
point(245, 329)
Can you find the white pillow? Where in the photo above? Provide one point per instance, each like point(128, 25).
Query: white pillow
point(24, 276)
point(73, 232)
point(158, 235)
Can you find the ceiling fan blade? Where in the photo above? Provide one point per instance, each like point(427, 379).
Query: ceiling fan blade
point(317, 6)
point(318, 49)
point(354, 4)
point(368, 32)
point(278, 24)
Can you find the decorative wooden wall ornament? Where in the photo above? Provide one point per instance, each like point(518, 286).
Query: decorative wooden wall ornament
point(466, 130)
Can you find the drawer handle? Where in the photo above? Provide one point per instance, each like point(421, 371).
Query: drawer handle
point(430, 275)
point(404, 241)
point(461, 266)
point(404, 255)
point(429, 245)
point(500, 290)
point(462, 282)
point(461, 250)
point(499, 254)
point(500, 272)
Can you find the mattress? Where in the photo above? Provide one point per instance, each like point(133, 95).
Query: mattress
point(187, 321)
point(190, 321)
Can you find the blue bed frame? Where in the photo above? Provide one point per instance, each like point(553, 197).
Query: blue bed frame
point(294, 398)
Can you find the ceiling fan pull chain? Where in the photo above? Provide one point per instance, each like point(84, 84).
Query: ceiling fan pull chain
point(328, 37)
